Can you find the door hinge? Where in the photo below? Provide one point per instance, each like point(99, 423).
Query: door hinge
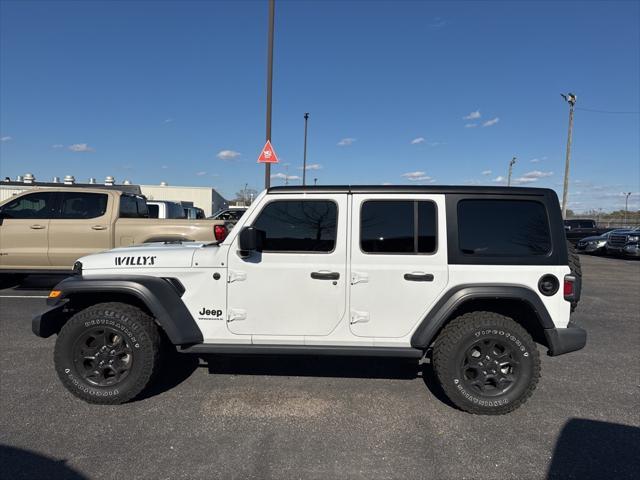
point(359, 317)
point(236, 314)
point(236, 275)
point(359, 277)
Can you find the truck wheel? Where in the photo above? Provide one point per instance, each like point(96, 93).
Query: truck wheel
point(574, 266)
point(107, 353)
point(486, 363)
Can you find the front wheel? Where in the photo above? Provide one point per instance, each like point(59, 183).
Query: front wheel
point(107, 353)
point(486, 363)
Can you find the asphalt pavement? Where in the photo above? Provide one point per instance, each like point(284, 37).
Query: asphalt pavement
point(306, 417)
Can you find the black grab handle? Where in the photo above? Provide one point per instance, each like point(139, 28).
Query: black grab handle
point(325, 275)
point(419, 277)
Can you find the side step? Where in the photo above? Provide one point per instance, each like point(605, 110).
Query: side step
point(347, 351)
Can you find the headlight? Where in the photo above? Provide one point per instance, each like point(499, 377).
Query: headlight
point(601, 243)
point(634, 238)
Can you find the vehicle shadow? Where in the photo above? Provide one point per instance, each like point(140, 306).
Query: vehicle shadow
point(589, 449)
point(314, 366)
point(175, 369)
point(17, 463)
point(39, 282)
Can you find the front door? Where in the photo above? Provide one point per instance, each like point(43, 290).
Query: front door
point(81, 226)
point(398, 262)
point(297, 284)
point(24, 231)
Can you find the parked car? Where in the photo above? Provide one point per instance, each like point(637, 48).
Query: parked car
point(230, 214)
point(48, 229)
point(578, 228)
point(596, 244)
point(624, 242)
point(344, 270)
point(165, 209)
point(194, 213)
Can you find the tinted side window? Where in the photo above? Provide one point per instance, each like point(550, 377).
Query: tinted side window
point(397, 227)
point(133, 207)
point(35, 205)
point(81, 205)
point(153, 210)
point(387, 227)
point(299, 225)
point(503, 228)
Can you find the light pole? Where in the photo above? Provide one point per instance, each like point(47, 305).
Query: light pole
point(571, 100)
point(272, 8)
point(626, 204)
point(511, 164)
point(304, 161)
point(315, 182)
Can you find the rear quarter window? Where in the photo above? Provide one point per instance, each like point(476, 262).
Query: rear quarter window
point(503, 228)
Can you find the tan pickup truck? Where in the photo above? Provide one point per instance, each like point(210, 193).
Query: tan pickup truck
point(46, 230)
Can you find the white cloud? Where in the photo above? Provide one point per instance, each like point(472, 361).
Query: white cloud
point(6, 138)
point(168, 120)
point(531, 177)
point(499, 179)
point(537, 160)
point(417, 140)
point(165, 166)
point(80, 147)
point(345, 142)
point(438, 22)
point(473, 115)
point(285, 177)
point(471, 125)
point(312, 166)
point(491, 122)
point(417, 176)
point(387, 183)
point(228, 154)
point(201, 174)
point(57, 145)
point(487, 172)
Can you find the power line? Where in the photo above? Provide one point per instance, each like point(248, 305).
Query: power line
point(606, 111)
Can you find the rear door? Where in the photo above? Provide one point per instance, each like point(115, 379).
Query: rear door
point(24, 231)
point(398, 262)
point(81, 226)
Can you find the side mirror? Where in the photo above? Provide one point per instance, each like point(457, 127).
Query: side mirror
point(250, 240)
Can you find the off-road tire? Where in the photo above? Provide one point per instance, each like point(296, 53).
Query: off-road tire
point(461, 335)
point(137, 330)
point(575, 267)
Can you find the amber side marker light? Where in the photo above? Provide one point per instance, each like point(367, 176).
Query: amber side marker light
point(55, 293)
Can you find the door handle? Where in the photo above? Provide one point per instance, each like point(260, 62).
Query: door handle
point(419, 277)
point(37, 227)
point(98, 227)
point(325, 275)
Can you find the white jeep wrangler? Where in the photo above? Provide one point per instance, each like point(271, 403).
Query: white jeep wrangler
point(472, 277)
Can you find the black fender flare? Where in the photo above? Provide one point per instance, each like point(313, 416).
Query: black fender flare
point(456, 296)
point(159, 295)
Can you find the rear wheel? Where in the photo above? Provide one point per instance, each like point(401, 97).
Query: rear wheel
point(486, 363)
point(108, 353)
point(575, 267)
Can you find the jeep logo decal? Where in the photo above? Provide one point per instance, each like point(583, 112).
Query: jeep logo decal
point(141, 260)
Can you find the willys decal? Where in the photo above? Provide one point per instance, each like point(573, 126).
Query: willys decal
point(137, 261)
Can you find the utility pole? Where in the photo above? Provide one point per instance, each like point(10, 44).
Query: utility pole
point(286, 174)
point(626, 204)
point(304, 162)
point(511, 164)
point(570, 98)
point(272, 8)
point(315, 182)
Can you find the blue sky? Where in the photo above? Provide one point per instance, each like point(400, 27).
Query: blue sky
point(175, 91)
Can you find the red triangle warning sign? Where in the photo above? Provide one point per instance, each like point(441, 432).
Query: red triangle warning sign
point(268, 154)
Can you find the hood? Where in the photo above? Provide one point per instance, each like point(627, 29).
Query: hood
point(148, 255)
point(594, 238)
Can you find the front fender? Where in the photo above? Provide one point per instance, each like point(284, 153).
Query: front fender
point(159, 295)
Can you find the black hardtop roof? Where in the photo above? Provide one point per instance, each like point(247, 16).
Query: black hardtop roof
point(454, 189)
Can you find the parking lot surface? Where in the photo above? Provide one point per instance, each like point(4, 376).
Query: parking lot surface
point(306, 417)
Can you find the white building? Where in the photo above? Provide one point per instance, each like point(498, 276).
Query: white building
point(205, 198)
